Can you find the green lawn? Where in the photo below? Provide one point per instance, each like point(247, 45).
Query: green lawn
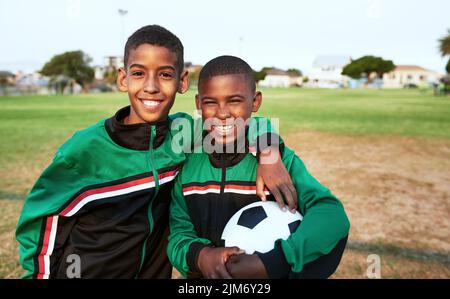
point(32, 127)
point(396, 112)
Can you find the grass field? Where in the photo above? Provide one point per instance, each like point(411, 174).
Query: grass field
point(384, 153)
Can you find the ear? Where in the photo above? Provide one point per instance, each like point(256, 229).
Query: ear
point(198, 103)
point(184, 82)
point(122, 80)
point(257, 101)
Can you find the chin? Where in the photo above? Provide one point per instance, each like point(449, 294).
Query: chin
point(152, 117)
point(223, 140)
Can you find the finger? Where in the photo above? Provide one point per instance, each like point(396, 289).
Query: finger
point(229, 252)
point(230, 266)
point(288, 197)
point(233, 250)
point(294, 193)
point(232, 260)
point(222, 272)
point(238, 252)
point(260, 188)
point(278, 197)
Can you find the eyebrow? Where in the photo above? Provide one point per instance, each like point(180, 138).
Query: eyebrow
point(160, 68)
point(237, 95)
point(137, 65)
point(208, 98)
point(167, 67)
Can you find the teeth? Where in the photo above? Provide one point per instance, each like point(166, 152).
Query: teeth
point(224, 129)
point(150, 103)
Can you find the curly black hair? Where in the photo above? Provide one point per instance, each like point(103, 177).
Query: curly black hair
point(228, 65)
point(159, 36)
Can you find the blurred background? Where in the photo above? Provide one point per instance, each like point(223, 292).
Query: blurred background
point(361, 89)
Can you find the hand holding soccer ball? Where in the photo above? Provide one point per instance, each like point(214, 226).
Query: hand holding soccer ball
point(243, 266)
point(257, 226)
point(211, 261)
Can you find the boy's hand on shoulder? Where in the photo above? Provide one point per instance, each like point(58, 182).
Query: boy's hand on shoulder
point(211, 261)
point(246, 266)
point(272, 173)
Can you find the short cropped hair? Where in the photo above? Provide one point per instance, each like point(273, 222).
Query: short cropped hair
point(227, 65)
point(159, 36)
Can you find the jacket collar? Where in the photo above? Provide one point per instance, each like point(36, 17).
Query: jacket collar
point(227, 159)
point(219, 160)
point(135, 136)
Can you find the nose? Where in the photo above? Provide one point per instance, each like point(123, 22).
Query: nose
point(223, 112)
point(151, 85)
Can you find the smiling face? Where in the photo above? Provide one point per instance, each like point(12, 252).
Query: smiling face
point(223, 100)
point(152, 81)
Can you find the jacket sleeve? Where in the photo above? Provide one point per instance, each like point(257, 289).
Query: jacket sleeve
point(184, 243)
point(187, 133)
point(38, 223)
point(263, 133)
point(324, 223)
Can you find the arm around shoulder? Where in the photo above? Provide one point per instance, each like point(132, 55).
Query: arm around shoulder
point(324, 222)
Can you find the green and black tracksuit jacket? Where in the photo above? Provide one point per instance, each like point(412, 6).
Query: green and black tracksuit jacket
point(210, 188)
point(105, 197)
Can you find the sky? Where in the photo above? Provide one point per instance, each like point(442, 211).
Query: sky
point(280, 33)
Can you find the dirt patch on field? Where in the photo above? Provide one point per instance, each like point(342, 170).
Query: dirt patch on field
point(396, 190)
point(355, 264)
point(9, 252)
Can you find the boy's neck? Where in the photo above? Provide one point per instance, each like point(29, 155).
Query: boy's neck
point(133, 119)
point(134, 136)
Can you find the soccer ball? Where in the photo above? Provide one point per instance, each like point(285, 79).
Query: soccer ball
point(257, 226)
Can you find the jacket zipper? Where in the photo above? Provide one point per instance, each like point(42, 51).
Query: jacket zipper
point(224, 174)
point(149, 209)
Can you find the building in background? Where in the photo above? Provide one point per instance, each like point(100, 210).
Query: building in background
point(194, 72)
point(326, 71)
point(7, 78)
point(410, 76)
point(110, 64)
point(30, 83)
point(279, 78)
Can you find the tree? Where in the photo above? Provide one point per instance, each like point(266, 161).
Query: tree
point(74, 65)
point(295, 72)
point(444, 44)
point(366, 66)
point(444, 48)
point(193, 77)
point(259, 76)
point(110, 76)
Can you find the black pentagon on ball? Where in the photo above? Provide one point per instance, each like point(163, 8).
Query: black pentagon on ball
point(294, 225)
point(251, 217)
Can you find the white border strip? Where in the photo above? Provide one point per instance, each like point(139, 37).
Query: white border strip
point(212, 190)
point(50, 246)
